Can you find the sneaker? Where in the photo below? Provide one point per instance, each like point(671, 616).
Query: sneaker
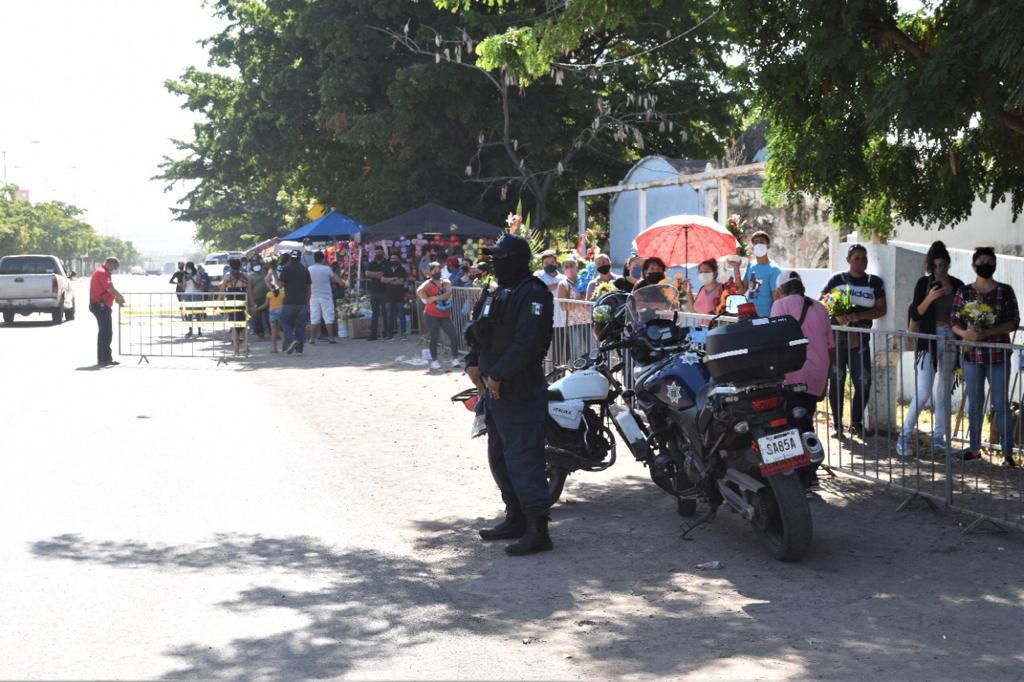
point(434, 364)
point(312, 342)
point(405, 337)
point(857, 430)
point(389, 338)
point(189, 335)
point(456, 363)
point(1009, 463)
point(939, 448)
point(901, 447)
point(111, 363)
point(331, 340)
point(291, 347)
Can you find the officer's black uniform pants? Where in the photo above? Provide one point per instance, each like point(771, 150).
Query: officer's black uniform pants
point(515, 452)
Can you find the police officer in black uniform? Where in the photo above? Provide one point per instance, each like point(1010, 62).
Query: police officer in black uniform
point(509, 337)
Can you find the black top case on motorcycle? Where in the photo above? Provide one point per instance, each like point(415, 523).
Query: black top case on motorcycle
point(757, 350)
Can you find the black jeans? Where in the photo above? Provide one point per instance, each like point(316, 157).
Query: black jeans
point(378, 308)
point(106, 332)
point(436, 325)
point(858, 362)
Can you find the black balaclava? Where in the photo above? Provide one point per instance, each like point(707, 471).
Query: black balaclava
point(511, 269)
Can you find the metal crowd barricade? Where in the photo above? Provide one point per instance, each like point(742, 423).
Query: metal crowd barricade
point(894, 374)
point(196, 325)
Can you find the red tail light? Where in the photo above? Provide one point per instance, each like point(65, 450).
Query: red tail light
point(781, 421)
point(53, 284)
point(747, 310)
point(765, 404)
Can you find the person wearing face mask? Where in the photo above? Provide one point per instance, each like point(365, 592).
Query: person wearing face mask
point(653, 271)
point(992, 364)
point(632, 273)
point(548, 272)
point(377, 291)
point(102, 295)
point(817, 329)
point(395, 276)
point(436, 294)
point(710, 292)
point(509, 335)
point(193, 292)
point(760, 275)
point(603, 266)
point(853, 349)
point(934, 361)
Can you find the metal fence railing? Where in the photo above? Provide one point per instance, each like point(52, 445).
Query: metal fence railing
point(895, 373)
point(195, 325)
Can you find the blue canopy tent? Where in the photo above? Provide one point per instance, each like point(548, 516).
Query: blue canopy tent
point(331, 225)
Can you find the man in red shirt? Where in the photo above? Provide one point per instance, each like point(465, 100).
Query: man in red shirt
point(102, 295)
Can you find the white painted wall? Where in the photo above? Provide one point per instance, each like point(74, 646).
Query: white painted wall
point(985, 227)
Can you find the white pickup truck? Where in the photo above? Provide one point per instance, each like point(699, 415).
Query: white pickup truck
point(35, 284)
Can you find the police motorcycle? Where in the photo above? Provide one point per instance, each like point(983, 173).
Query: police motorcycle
point(716, 414)
point(583, 405)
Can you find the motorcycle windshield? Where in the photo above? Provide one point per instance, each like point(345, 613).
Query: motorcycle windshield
point(653, 302)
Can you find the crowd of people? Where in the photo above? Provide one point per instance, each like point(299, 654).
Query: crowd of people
point(295, 304)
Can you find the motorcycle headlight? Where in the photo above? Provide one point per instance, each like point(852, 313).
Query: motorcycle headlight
point(799, 412)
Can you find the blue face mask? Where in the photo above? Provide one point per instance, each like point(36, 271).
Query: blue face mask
point(636, 272)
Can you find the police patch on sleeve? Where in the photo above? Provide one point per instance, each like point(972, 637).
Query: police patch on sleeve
point(536, 309)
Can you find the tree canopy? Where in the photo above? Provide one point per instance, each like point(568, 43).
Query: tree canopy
point(881, 112)
point(376, 106)
point(54, 228)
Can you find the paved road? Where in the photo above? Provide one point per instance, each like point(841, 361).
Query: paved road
point(291, 518)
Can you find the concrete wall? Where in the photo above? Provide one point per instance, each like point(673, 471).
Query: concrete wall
point(662, 202)
point(985, 226)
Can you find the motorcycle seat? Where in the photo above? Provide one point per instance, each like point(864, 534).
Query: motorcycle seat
point(555, 394)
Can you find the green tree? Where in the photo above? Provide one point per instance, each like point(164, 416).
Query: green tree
point(886, 113)
point(374, 107)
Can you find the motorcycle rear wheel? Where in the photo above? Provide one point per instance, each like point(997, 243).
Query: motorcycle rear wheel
point(556, 481)
point(782, 518)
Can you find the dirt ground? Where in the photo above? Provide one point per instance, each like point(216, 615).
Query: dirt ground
point(882, 594)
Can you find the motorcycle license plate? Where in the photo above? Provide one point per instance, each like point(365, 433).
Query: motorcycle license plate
point(780, 446)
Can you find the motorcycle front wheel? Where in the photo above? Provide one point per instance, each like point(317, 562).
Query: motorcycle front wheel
point(556, 481)
point(782, 518)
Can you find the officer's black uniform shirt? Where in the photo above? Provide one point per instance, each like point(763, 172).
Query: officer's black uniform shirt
point(516, 332)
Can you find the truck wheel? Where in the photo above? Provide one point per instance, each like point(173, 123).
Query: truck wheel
point(58, 315)
point(8, 318)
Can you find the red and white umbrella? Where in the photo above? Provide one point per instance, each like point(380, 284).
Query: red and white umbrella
point(683, 240)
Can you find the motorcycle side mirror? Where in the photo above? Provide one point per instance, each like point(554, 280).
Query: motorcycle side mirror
point(733, 303)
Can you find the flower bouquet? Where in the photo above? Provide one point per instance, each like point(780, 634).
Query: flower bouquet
point(977, 315)
point(837, 302)
point(601, 289)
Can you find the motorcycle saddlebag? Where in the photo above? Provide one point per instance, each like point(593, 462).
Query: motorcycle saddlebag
point(755, 350)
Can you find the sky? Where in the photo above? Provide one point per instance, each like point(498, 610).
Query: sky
point(84, 116)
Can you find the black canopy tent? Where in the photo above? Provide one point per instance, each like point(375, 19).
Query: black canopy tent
point(430, 219)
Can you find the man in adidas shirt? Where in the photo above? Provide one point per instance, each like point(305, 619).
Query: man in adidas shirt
point(853, 349)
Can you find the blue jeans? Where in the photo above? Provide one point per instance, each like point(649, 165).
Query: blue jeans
point(515, 452)
point(934, 381)
point(394, 313)
point(858, 362)
point(293, 323)
point(998, 381)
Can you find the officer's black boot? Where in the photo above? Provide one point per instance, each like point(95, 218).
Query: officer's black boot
point(535, 539)
point(513, 526)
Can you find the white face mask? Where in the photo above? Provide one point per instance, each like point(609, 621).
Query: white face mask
point(760, 250)
point(707, 277)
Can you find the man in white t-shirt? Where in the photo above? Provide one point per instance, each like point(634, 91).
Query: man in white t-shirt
point(554, 280)
point(321, 298)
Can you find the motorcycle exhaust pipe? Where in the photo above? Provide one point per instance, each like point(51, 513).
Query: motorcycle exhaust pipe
point(813, 446)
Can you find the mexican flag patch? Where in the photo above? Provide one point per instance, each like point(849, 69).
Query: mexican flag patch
point(536, 308)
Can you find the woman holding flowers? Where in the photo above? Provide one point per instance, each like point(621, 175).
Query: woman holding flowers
point(934, 360)
point(986, 311)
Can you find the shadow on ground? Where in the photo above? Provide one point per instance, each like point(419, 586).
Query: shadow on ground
point(878, 595)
